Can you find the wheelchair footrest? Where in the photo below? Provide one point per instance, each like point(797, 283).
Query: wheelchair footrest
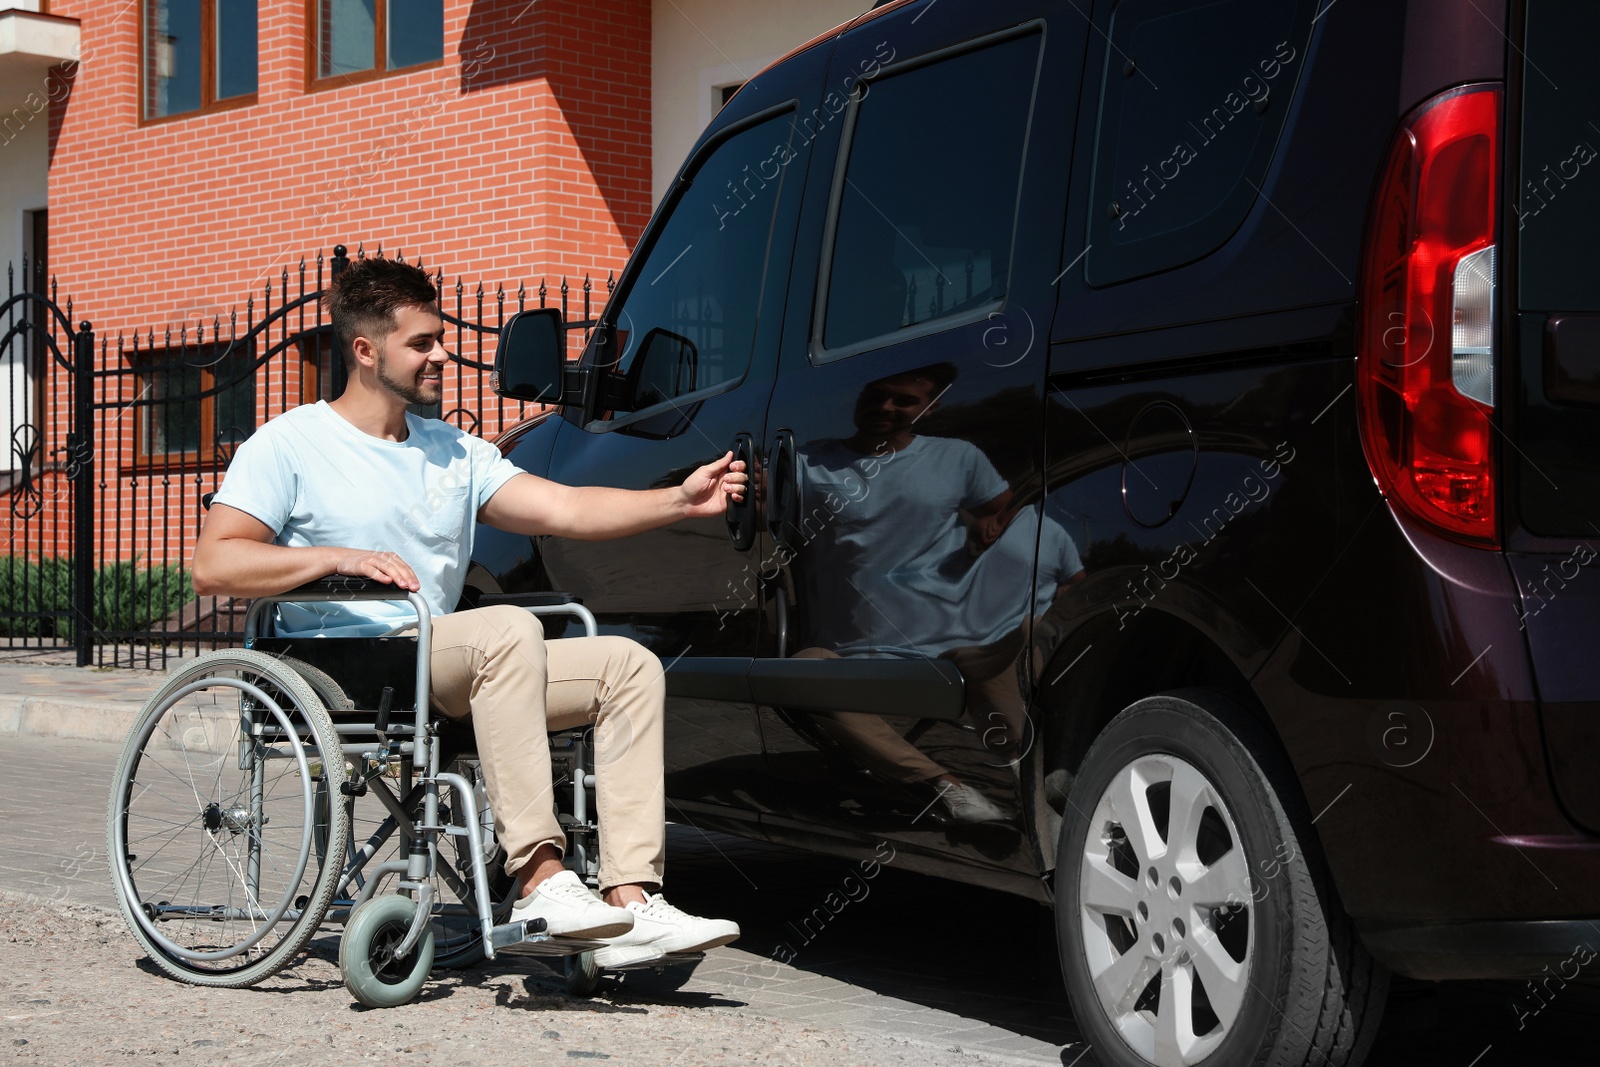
point(671, 959)
point(516, 939)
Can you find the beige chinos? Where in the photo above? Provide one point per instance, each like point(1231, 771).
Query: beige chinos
point(494, 665)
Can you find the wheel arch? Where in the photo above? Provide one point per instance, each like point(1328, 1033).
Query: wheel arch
point(1095, 672)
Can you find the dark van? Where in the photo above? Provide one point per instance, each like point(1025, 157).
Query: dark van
point(1175, 428)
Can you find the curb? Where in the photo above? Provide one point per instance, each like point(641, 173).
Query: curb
point(42, 717)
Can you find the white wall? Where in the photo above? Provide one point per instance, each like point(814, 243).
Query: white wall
point(24, 144)
point(700, 45)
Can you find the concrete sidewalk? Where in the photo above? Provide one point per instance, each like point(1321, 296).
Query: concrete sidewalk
point(877, 971)
point(42, 694)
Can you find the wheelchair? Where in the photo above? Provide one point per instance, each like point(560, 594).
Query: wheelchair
point(230, 826)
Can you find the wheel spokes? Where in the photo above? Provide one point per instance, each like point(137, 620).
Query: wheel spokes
point(1221, 975)
point(1174, 1031)
point(1107, 890)
point(1226, 883)
point(1124, 979)
point(1130, 806)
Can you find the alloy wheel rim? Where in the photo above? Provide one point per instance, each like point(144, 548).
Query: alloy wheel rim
point(1167, 911)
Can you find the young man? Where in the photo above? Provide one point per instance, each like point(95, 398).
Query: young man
point(885, 566)
point(361, 487)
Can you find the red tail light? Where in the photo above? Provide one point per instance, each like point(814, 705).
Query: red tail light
point(1425, 358)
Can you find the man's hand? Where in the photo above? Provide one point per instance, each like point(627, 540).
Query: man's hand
point(385, 567)
point(706, 491)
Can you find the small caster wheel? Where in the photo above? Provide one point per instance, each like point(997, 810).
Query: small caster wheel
point(582, 974)
point(372, 973)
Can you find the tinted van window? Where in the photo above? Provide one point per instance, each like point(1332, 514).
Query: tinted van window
point(687, 322)
point(1558, 203)
point(928, 199)
point(1557, 211)
point(1193, 100)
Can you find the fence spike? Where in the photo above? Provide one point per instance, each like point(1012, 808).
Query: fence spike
point(361, 250)
point(611, 282)
point(480, 289)
point(543, 289)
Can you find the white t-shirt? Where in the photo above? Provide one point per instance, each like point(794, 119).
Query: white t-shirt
point(878, 531)
point(1003, 586)
point(317, 480)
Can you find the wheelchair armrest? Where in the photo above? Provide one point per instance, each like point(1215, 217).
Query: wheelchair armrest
point(544, 604)
point(343, 583)
point(528, 600)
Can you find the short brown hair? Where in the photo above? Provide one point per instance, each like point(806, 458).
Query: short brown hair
point(941, 376)
point(363, 299)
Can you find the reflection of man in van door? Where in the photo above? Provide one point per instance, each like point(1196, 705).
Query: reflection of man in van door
point(895, 540)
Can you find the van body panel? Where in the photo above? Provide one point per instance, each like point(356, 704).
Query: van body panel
point(1552, 381)
point(846, 578)
point(1299, 244)
point(1560, 604)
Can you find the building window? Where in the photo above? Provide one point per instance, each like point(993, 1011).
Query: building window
point(204, 404)
point(366, 38)
point(198, 55)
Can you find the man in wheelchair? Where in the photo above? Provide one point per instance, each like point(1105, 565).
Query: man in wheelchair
point(359, 486)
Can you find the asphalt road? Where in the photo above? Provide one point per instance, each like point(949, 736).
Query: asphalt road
point(915, 971)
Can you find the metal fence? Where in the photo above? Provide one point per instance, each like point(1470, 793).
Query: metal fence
point(116, 443)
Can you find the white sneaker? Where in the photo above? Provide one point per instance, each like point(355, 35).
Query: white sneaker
point(570, 909)
point(966, 804)
point(660, 929)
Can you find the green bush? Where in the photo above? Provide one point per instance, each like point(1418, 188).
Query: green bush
point(127, 596)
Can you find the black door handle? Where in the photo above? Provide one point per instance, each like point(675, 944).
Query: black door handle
point(783, 490)
point(741, 514)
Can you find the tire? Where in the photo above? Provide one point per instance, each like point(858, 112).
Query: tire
point(1194, 919)
point(372, 974)
point(219, 883)
point(582, 974)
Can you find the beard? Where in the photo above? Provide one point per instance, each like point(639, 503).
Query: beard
point(415, 391)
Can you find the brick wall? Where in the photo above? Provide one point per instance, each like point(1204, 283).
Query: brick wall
point(524, 155)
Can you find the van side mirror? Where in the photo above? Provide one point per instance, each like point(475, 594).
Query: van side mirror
point(531, 360)
point(667, 366)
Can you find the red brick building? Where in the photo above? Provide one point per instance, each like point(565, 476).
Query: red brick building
point(173, 162)
point(522, 150)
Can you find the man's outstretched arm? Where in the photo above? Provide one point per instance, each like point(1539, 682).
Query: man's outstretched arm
point(235, 556)
point(532, 505)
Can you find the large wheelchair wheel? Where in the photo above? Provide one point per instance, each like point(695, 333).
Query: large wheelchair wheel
point(213, 819)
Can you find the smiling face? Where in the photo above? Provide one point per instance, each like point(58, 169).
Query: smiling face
point(410, 358)
point(890, 405)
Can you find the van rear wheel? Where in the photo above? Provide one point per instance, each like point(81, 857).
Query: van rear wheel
point(1194, 921)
